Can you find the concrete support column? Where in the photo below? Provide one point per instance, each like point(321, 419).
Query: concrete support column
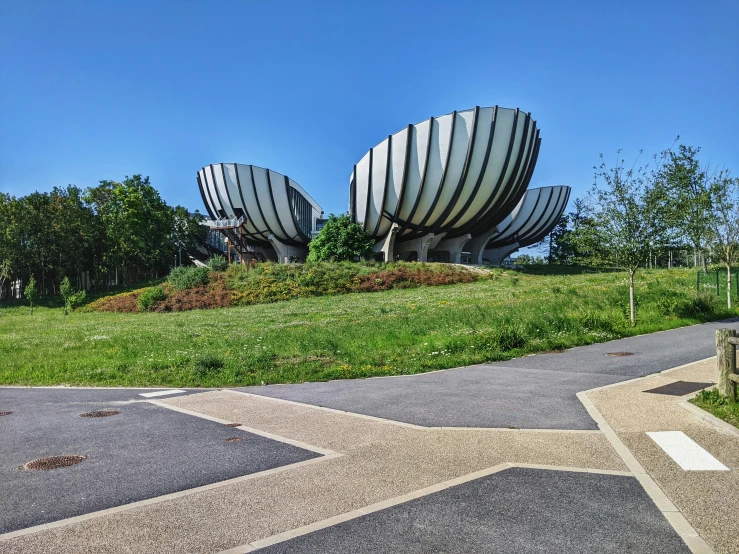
point(419, 245)
point(387, 245)
point(477, 244)
point(497, 255)
point(286, 251)
point(454, 246)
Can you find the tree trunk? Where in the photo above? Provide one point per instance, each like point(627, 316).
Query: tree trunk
point(705, 266)
point(695, 256)
point(631, 298)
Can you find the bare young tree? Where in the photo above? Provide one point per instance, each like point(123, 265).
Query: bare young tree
point(625, 215)
point(723, 228)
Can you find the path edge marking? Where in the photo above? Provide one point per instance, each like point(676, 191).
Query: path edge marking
point(671, 513)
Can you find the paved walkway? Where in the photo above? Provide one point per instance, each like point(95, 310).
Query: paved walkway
point(534, 392)
point(368, 484)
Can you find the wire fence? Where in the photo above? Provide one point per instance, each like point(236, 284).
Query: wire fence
point(716, 281)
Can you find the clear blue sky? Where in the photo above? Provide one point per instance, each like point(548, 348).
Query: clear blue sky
point(101, 89)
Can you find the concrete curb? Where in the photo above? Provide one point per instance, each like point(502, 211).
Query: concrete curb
point(711, 419)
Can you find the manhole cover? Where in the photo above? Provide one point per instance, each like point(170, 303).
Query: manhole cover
point(620, 354)
point(234, 439)
point(100, 413)
point(5, 413)
point(233, 424)
point(53, 462)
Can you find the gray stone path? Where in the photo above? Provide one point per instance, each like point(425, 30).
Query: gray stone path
point(143, 452)
point(516, 511)
point(533, 392)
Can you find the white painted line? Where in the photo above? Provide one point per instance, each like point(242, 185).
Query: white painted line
point(161, 393)
point(687, 453)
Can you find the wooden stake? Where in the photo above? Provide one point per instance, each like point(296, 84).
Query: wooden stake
point(726, 361)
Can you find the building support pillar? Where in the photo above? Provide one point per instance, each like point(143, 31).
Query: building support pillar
point(477, 244)
point(287, 251)
point(387, 245)
point(454, 246)
point(497, 255)
point(420, 246)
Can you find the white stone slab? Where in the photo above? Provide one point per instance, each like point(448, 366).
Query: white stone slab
point(161, 393)
point(688, 454)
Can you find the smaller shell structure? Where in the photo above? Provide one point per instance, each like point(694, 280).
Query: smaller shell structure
point(271, 204)
point(533, 218)
point(456, 174)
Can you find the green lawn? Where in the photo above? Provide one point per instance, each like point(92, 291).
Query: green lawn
point(353, 335)
point(720, 406)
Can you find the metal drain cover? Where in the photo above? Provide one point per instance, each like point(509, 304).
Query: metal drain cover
point(53, 462)
point(234, 439)
point(680, 388)
point(100, 413)
point(5, 413)
point(619, 353)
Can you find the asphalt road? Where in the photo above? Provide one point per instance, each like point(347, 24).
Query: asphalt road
point(144, 452)
point(533, 392)
point(517, 511)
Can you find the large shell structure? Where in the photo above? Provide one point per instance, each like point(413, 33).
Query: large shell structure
point(456, 174)
point(270, 203)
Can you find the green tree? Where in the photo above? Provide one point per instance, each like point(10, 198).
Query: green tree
point(137, 227)
point(625, 220)
point(690, 203)
point(188, 231)
point(31, 292)
point(723, 228)
point(340, 239)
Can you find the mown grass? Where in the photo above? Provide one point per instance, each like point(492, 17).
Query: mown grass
point(353, 335)
point(720, 406)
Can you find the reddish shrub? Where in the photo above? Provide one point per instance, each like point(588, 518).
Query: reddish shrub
point(202, 297)
point(124, 303)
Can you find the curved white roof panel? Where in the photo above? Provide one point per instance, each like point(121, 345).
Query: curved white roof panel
point(458, 173)
point(533, 218)
point(270, 202)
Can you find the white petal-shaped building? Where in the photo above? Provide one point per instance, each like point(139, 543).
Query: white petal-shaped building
point(438, 190)
point(259, 210)
point(436, 184)
point(533, 218)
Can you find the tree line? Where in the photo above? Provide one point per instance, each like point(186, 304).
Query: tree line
point(114, 233)
point(637, 216)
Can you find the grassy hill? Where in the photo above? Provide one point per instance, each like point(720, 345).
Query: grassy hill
point(394, 332)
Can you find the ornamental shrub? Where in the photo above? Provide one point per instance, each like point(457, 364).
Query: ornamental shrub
point(149, 297)
point(218, 263)
point(182, 278)
point(340, 240)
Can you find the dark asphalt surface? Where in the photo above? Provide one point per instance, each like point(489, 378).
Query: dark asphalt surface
point(515, 511)
point(533, 392)
point(144, 452)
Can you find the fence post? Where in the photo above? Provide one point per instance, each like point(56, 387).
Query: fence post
point(718, 291)
point(726, 361)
